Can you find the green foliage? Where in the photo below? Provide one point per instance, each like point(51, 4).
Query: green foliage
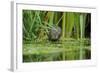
point(37, 23)
point(37, 47)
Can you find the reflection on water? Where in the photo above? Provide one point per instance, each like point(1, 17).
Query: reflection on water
point(58, 51)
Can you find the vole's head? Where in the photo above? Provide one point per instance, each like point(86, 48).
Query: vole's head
point(54, 33)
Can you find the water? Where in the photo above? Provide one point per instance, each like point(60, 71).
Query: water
point(57, 51)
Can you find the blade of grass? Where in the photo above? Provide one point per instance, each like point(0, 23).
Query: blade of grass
point(71, 22)
point(63, 25)
point(77, 24)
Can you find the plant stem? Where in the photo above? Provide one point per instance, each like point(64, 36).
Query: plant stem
point(63, 25)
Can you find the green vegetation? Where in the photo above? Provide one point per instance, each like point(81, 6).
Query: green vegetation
point(74, 43)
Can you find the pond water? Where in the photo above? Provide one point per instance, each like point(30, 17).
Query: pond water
point(56, 51)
